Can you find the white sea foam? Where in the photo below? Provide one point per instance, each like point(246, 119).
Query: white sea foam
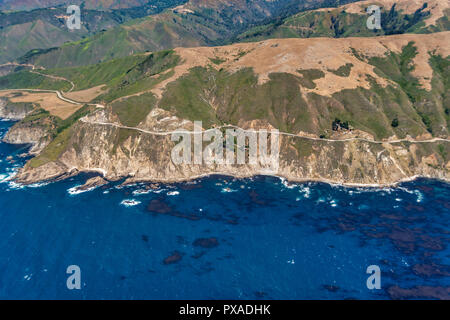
point(76, 190)
point(141, 192)
point(15, 186)
point(28, 276)
point(406, 190)
point(321, 200)
point(38, 185)
point(158, 191)
point(419, 195)
point(130, 203)
point(228, 190)
point(288, 185)
point(306, 192)
point(173, 193)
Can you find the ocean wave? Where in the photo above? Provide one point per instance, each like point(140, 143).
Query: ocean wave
point(130, 203)
point(140, 192)
point(173, 193)
point(306, 192)
point(76, 190)
point(333, 203)
point(38, 185)
point(321, 200)
point(15, 186)
point(406, 190)
point(228, 190)
point(157, 191)
point(420, 196)
point(288, 184)
point(28, 276)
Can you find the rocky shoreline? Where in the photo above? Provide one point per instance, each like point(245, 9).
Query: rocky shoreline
point(104, 180)
point(21, 132)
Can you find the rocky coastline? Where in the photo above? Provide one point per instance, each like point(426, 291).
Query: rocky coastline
point(355, 164)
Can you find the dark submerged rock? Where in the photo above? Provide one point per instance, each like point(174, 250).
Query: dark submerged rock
point(207, 243)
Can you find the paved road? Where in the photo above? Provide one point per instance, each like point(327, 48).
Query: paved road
point(60, 96)
point(281, 133)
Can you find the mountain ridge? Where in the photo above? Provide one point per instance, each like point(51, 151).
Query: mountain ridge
point(198, 26)
point(405, 16)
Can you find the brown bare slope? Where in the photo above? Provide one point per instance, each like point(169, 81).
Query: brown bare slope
point(293, 55)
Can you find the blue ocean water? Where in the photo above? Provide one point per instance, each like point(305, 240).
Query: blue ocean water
point(221, 238)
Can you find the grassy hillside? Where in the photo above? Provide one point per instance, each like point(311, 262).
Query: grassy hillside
point(46, 28)
point(292, 102)
point(27, 80)
point(18, 5)
point(195, 24)
point(381, 111)
point(340, 22)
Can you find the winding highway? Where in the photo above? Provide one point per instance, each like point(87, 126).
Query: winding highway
point(61, 97)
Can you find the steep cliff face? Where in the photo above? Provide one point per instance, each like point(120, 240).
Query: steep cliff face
point(26, 134)
point(140, 156)
point(16, 111)
point(26, 131)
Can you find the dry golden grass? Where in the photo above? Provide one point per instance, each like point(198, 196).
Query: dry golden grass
point(46, 100)
point(86, 95)
point(325, 54)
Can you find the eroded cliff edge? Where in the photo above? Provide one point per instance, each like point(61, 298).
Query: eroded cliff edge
point(32, 130)
point(143, 156)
